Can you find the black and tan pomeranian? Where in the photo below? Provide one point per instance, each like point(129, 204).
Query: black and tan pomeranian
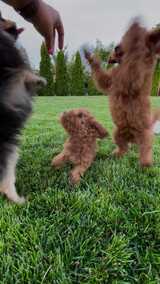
point(18, 84)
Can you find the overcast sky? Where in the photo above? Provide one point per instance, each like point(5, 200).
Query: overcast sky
point(88, 20)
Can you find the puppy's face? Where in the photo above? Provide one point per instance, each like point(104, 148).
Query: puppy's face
point(116, 55)
point(152, 41)
point(132, 41)
point(10, 28)
point(137, 40)
point(74, 120)
point(17, 81)
point(82, 122)
point(20, 90)
point(33, 82)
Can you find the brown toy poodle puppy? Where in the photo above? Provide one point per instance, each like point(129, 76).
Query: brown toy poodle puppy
point(80, 147)
point(129, 86)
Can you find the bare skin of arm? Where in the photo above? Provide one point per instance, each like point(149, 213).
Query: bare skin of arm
point(46, 20)
point(17, 4)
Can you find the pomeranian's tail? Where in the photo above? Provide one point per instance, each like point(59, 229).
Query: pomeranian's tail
point(156, 121)
point(155, 116)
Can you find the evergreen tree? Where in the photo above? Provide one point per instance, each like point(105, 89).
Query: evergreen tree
point(90, 88)
point(62, 84)
point(156, 80)
point(103, 51)
point(46, 71)
point(77, 77)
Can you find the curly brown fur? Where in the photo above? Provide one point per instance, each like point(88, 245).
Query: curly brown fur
point(129, 87)
point(80, 148)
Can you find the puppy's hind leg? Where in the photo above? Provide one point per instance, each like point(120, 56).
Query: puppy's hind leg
point(122, 144)
point(7, 186)
point(59, 160)
point(145, 148)
point(77, 172)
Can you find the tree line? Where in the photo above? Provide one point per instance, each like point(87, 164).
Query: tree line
point(70, 76)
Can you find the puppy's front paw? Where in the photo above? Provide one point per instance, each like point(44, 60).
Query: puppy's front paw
point(146, 160)
point(20, 200)
point(146, 164)
point(16, 199)
point(74, 178)
point(11, 193)
point(55, 164)
point(118, 153)
point(92, 59)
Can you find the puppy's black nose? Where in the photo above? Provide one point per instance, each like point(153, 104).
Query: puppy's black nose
point(111, 60)
point(41, 82)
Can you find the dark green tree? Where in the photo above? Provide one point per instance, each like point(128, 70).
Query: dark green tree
point(156, 76)
point(46, 71)
point(90, 88)
point(77, 77)
point(103, 51)
point(62, 78)
point(156, 80)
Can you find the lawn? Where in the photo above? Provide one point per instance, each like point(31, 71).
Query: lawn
point(107, 230)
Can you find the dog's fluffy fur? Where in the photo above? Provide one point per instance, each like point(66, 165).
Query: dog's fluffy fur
point(80, 148)
point(17, 85)
point(129, 87)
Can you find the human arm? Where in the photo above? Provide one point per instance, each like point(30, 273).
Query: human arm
point(45, 19)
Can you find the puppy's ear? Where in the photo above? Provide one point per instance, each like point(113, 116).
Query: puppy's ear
point(153, 41)
point(33, 81)
point(101, 132)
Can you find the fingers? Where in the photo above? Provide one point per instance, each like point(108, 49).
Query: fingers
point(52, 45)
point(60, 31)
point(50, 38)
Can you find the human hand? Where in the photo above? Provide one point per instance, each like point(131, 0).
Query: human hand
point(47, 21)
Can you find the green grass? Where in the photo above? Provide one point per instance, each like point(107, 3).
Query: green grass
point(107, 230)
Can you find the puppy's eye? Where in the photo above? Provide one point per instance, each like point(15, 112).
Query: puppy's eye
point(118, 50)
point(80, 115)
